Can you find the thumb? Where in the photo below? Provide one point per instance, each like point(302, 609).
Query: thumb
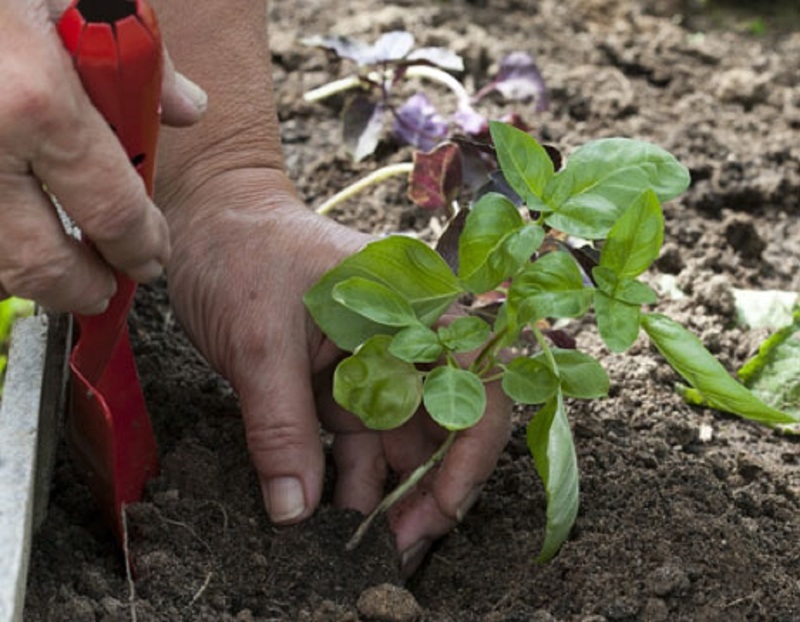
point(182, 101)
point(283, 436)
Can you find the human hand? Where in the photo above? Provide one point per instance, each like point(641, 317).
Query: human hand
point(51, 135)
point(245, 250)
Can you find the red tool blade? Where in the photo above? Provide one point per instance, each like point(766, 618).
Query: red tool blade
point(116, 48)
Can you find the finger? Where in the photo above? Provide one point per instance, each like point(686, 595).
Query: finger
point(76, 155)
point(357, 452)
point(282, 431)
point(360, 470)
point(455, 487)
point(182, 101)
point(412, 443)
point(57, 8)
point(39, 261)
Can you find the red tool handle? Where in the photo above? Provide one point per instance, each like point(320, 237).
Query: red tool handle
point(116, 48)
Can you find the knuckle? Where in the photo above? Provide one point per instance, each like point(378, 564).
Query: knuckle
point(266, 440)
point(30, 99)
point(120, 214)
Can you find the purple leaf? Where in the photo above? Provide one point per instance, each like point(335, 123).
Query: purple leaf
point(363, 123)
point(436, 178)
point(474, 169)
point(440, 57)
point(561, 339)
point(470, 120)
point(417, 123)
point(518, 79)
point(447, 244)
point(497, 183)
point(343, 47)
point(391, 46)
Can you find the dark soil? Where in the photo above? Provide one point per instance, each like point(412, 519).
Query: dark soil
point(674, 524)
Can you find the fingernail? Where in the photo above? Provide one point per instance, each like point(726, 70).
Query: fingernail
point(192, 92)
point(284, 499)
point(466, 505)
point(147, 272)
point(412, 557)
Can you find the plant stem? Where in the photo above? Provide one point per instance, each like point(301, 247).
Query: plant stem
point(375, 177)
point(425, 72)
point(401, 491)
point(548, 353)
point(442, 77)
point(332, 88)
point(486, 352)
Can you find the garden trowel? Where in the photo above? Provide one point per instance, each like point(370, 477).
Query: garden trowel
point(116, 48)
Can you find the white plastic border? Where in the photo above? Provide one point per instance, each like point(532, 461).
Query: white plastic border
point(19, 427)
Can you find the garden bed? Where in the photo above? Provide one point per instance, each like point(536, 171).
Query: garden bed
point(686, 514)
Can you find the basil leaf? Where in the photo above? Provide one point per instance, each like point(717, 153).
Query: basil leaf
point(617, 321)
point(626, 289)
point(525, 164)
point(689, 357)
point(602, 178)
point(550, 287)
point(635, 239)
point(405, 265)
point(381, 390)
point(465, 334)
point(374, 301)
point(454, 398)
point(529, 380)
point(551, 445)
point(494, 244)
point(580, 375)
point(416, 344)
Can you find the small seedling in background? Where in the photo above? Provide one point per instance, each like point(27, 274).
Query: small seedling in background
point(11, 309)
point(449, 151)
point(385, 305)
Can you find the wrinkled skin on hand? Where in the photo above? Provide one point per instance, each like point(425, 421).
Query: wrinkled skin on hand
point(51, 135)
point(239, 270)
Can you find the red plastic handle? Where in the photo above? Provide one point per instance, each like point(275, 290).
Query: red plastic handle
point(116, 48)
point(118, 55)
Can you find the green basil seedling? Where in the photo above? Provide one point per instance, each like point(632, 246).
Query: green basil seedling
point(386, 305)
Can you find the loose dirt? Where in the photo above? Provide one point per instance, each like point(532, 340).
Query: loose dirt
point(686, 514)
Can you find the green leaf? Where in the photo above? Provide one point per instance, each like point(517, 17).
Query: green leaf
point(550, 442)
point(374, 301)
point(626, 289)
point(454, 398)
point(550, 287)
point(603, 178)
point(699, 368)
point(465, 334)
point(617, 321)
point(529, 380)
point(494, 244)
point(416, 344)
point(407, 266)
point(11, 309)
point(524, 162)
point(580, 375)
point(381, 390)
point(773, 374)
point(635, 239)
